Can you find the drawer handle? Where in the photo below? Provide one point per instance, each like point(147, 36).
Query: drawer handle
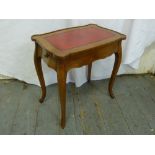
point(46, 55)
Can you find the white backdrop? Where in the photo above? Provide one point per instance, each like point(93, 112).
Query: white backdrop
point(16, 48)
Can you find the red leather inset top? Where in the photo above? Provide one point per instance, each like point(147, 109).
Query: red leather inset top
point(78, 37)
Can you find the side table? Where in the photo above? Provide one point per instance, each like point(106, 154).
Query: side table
point(73, 47)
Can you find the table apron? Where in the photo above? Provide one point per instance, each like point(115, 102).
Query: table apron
point(81, 58)
point(85, 58)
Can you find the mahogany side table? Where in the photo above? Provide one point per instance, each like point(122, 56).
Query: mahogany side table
point(75, 47)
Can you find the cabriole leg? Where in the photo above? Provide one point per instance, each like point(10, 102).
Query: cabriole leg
point(38, 67)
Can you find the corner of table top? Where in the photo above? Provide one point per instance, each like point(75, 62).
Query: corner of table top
point(34, 37)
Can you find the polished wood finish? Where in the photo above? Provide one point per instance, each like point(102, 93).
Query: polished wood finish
point(118, 58)
point(61, 76)
point(64, 60)
point(89, 71)
point(37, 62)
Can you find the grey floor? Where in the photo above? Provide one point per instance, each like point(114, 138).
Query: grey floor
point(90, 110)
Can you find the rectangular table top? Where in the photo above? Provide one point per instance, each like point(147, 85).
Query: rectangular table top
point(70, 40)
